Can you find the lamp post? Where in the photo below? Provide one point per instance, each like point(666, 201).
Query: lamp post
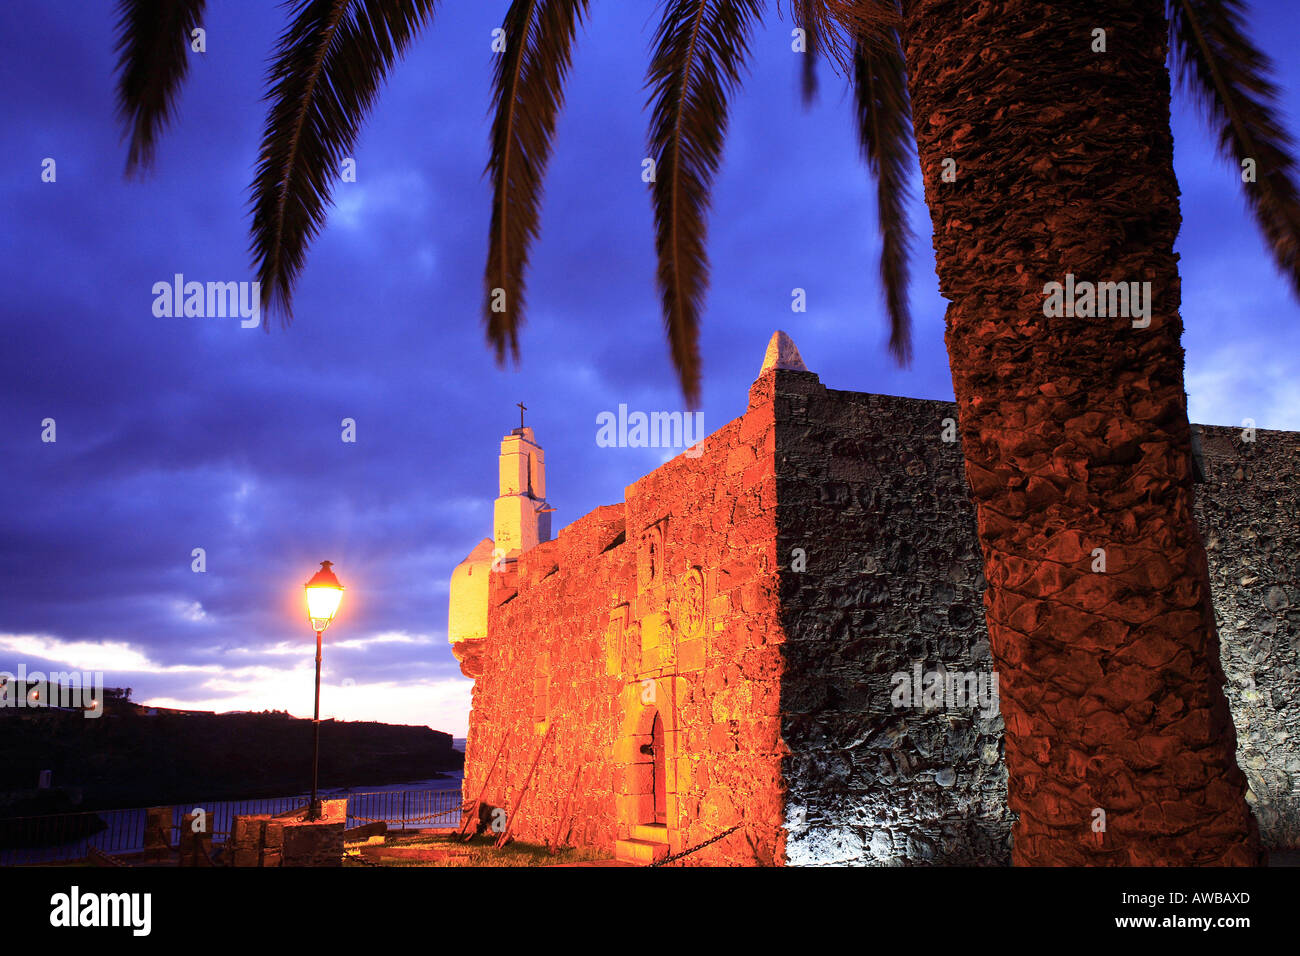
point(323, 595)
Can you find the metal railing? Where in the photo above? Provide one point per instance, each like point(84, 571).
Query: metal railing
point(406, 808)
point(67, 837)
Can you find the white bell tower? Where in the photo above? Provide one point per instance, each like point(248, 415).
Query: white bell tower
point(522, 518)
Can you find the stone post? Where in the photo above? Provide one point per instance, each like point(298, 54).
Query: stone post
point(158, 834)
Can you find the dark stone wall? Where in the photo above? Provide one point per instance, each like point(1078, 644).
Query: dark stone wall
point(1248, 509)
point(877, 500)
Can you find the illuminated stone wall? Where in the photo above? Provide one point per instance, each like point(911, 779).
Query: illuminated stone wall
point(665, 603)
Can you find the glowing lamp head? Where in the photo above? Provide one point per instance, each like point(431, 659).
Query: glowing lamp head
point(323, 595)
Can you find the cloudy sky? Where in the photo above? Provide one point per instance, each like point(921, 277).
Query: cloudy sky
point(182, 433)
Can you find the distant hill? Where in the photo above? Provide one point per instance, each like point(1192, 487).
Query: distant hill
point(138, 756)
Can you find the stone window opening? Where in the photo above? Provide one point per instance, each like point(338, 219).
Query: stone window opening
point(650, 556)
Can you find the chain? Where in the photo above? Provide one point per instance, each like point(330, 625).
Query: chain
point(426, 818)
point(699, 846)
point(98, 856)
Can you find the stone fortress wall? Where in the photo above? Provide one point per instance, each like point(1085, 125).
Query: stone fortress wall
point(665, 604)
point(893, 580)
point(892, 583)
point(763, 598)
point(1248, 510)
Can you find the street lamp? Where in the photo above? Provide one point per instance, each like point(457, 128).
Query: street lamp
point(323, 595)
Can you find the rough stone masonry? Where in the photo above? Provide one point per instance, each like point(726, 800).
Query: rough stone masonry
point(736, 644)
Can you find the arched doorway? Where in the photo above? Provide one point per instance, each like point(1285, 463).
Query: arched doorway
point(651, 771)
point(658, 776)
point(645, 754)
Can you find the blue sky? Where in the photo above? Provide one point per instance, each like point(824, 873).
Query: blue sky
point(180, 433)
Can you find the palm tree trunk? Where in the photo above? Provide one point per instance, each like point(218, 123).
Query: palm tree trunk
point(1075, 429)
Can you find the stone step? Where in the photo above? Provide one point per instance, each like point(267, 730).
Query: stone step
point(650, 833)
point(638, 851)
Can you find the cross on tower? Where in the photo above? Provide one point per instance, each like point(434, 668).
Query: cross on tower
point(522, 408)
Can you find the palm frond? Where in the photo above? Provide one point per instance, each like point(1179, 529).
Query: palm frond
point(153, 48)
point(805, 19)
point(884, 120)
point(700, 49)
point(862, 19)
point(327, 70)
point(837, 25)
point(1229, 79)
point(528, 87)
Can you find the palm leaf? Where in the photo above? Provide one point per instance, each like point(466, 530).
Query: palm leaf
point(327, 70)
point(528, 87)
point(1229, 79)
point(805, 19)
point(153, 47)
point(700, 49)
point(884, 120)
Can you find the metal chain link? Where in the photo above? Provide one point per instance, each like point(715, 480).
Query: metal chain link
point(699, 846)
point(96, 855)
point(426, 818)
